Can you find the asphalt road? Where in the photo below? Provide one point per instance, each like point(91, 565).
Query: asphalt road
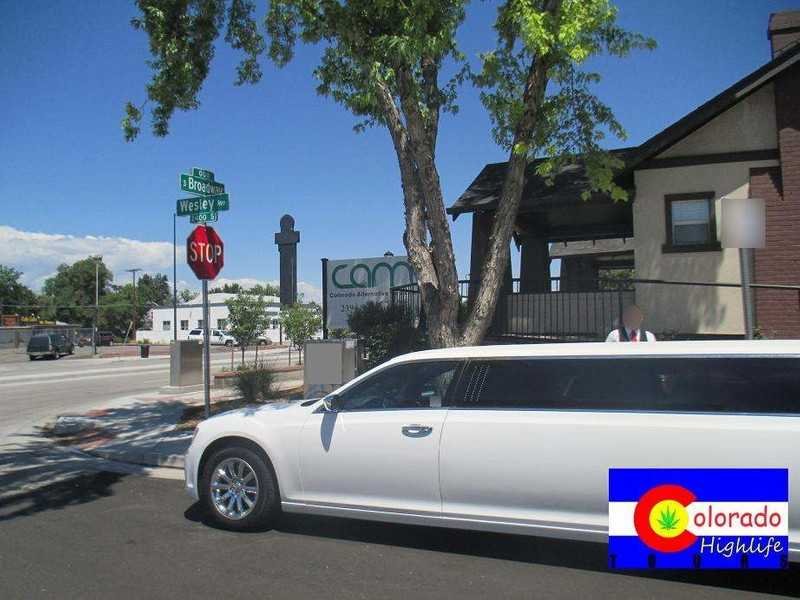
point(107, 535)
point(32, 392)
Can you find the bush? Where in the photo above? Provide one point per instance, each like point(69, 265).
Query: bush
point(386, 331)
point(254, 384)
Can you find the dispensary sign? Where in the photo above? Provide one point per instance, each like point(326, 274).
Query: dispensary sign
point(356, 281)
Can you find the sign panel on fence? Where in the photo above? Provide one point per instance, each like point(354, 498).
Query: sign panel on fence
point(354, 282)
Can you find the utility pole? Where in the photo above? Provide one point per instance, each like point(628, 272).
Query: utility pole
point(96, 301)
point(174, 279)
point(133, 323)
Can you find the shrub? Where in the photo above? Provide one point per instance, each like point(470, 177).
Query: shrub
point(254, 384)
point(386, 331)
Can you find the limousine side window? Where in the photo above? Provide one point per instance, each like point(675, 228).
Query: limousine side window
point(406, 386)
point(696, 384)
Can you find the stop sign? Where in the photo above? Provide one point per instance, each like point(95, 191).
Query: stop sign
point(205, 252)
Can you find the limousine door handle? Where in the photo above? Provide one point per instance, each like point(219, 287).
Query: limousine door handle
point(416, 430)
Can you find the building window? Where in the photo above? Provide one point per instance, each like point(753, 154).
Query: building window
point(166, 325)
point(199, 323)
point(222, 324)
point(691, 222)
point(184, 324)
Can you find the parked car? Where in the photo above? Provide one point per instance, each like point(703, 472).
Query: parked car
point(52, 345)
point(505, 438)
point(218, 337)
point(263, 340)
point(105, 338)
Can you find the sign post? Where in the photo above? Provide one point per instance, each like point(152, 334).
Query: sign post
point(205, 254)
point(744, 227)
point(204, 248)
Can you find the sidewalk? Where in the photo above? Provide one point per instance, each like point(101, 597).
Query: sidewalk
point(146, 430)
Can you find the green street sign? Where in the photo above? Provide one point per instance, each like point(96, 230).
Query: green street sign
point(203, 174)
point(198, 185)
point(193, 206)
point(208, 216)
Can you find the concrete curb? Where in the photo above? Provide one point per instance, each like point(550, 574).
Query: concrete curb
point(147, 459)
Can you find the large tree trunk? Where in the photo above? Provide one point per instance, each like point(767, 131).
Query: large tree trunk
point(497, 257)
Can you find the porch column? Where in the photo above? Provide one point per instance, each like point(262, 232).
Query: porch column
point(578, 274)
point(481, 226)
point(534, 271)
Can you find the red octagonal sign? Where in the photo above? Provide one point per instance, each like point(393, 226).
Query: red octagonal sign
point(205, 252)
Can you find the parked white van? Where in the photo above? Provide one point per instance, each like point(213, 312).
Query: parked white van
point(505, 438)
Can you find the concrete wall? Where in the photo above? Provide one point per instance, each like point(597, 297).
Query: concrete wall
point(683, 309)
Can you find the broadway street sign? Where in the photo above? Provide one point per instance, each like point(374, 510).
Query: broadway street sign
point(199, 185)
point(191, 206)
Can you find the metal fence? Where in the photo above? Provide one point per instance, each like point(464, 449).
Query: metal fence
point(18, 336)
point(588, 315)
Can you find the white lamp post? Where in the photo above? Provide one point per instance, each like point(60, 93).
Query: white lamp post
point(744, 227)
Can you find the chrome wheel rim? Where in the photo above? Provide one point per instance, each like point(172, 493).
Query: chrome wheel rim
point(234, 488)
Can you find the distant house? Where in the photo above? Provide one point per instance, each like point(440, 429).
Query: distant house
point(743, 142)
point(190, 316)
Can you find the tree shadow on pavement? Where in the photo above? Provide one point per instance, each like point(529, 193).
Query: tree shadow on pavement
point(40, 473)
point(78, 489)
point(536, 550)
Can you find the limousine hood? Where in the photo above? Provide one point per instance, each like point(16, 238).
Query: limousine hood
point(272, 412)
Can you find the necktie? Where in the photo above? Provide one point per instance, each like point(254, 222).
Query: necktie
point(634, 336)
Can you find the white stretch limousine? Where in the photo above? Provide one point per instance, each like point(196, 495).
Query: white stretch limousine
point(505, 438)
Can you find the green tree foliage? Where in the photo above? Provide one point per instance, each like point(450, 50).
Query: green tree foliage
point(15, 297)
point(153, 289)
point(116, 306)
point(234, 288)
point(385, 330)
point(228, 288)
point(247, 319)
point(301, 323)
point(186, 295)
point(69, 294)
point(383, 60)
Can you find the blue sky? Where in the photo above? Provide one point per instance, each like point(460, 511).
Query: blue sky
point(67, 175)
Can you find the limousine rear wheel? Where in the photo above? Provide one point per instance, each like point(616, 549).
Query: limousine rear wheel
point(239, 489)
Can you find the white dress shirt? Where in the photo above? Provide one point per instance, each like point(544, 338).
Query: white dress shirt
point(614, 335)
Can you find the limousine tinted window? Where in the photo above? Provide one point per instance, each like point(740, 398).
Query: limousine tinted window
point(732, 384)
point(411, 385)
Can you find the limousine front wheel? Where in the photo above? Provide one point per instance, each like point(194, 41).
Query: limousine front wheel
point(239, 489)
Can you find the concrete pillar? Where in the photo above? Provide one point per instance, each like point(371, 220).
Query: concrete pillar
point(534, 272)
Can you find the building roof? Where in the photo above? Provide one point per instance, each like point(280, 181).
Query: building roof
point(704, 113)
point(484, 191)
point(568, 185)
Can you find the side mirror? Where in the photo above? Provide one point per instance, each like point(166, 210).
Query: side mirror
point(332, 403)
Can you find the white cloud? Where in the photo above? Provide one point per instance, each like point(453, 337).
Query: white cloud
point(310, 291)
point(38, 255)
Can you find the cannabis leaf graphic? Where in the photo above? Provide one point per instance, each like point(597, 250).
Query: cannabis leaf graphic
point(668, 520)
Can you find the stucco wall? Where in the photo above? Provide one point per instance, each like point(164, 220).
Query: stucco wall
point(749, 125)
point(684, 309)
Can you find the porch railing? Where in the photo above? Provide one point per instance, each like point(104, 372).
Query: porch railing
point(558, 315)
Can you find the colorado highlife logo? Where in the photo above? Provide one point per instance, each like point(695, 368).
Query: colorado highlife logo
point(698, 518)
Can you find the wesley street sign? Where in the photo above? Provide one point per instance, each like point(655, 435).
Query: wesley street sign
point(198, 185)
point(208, 216)
point(192, 206)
